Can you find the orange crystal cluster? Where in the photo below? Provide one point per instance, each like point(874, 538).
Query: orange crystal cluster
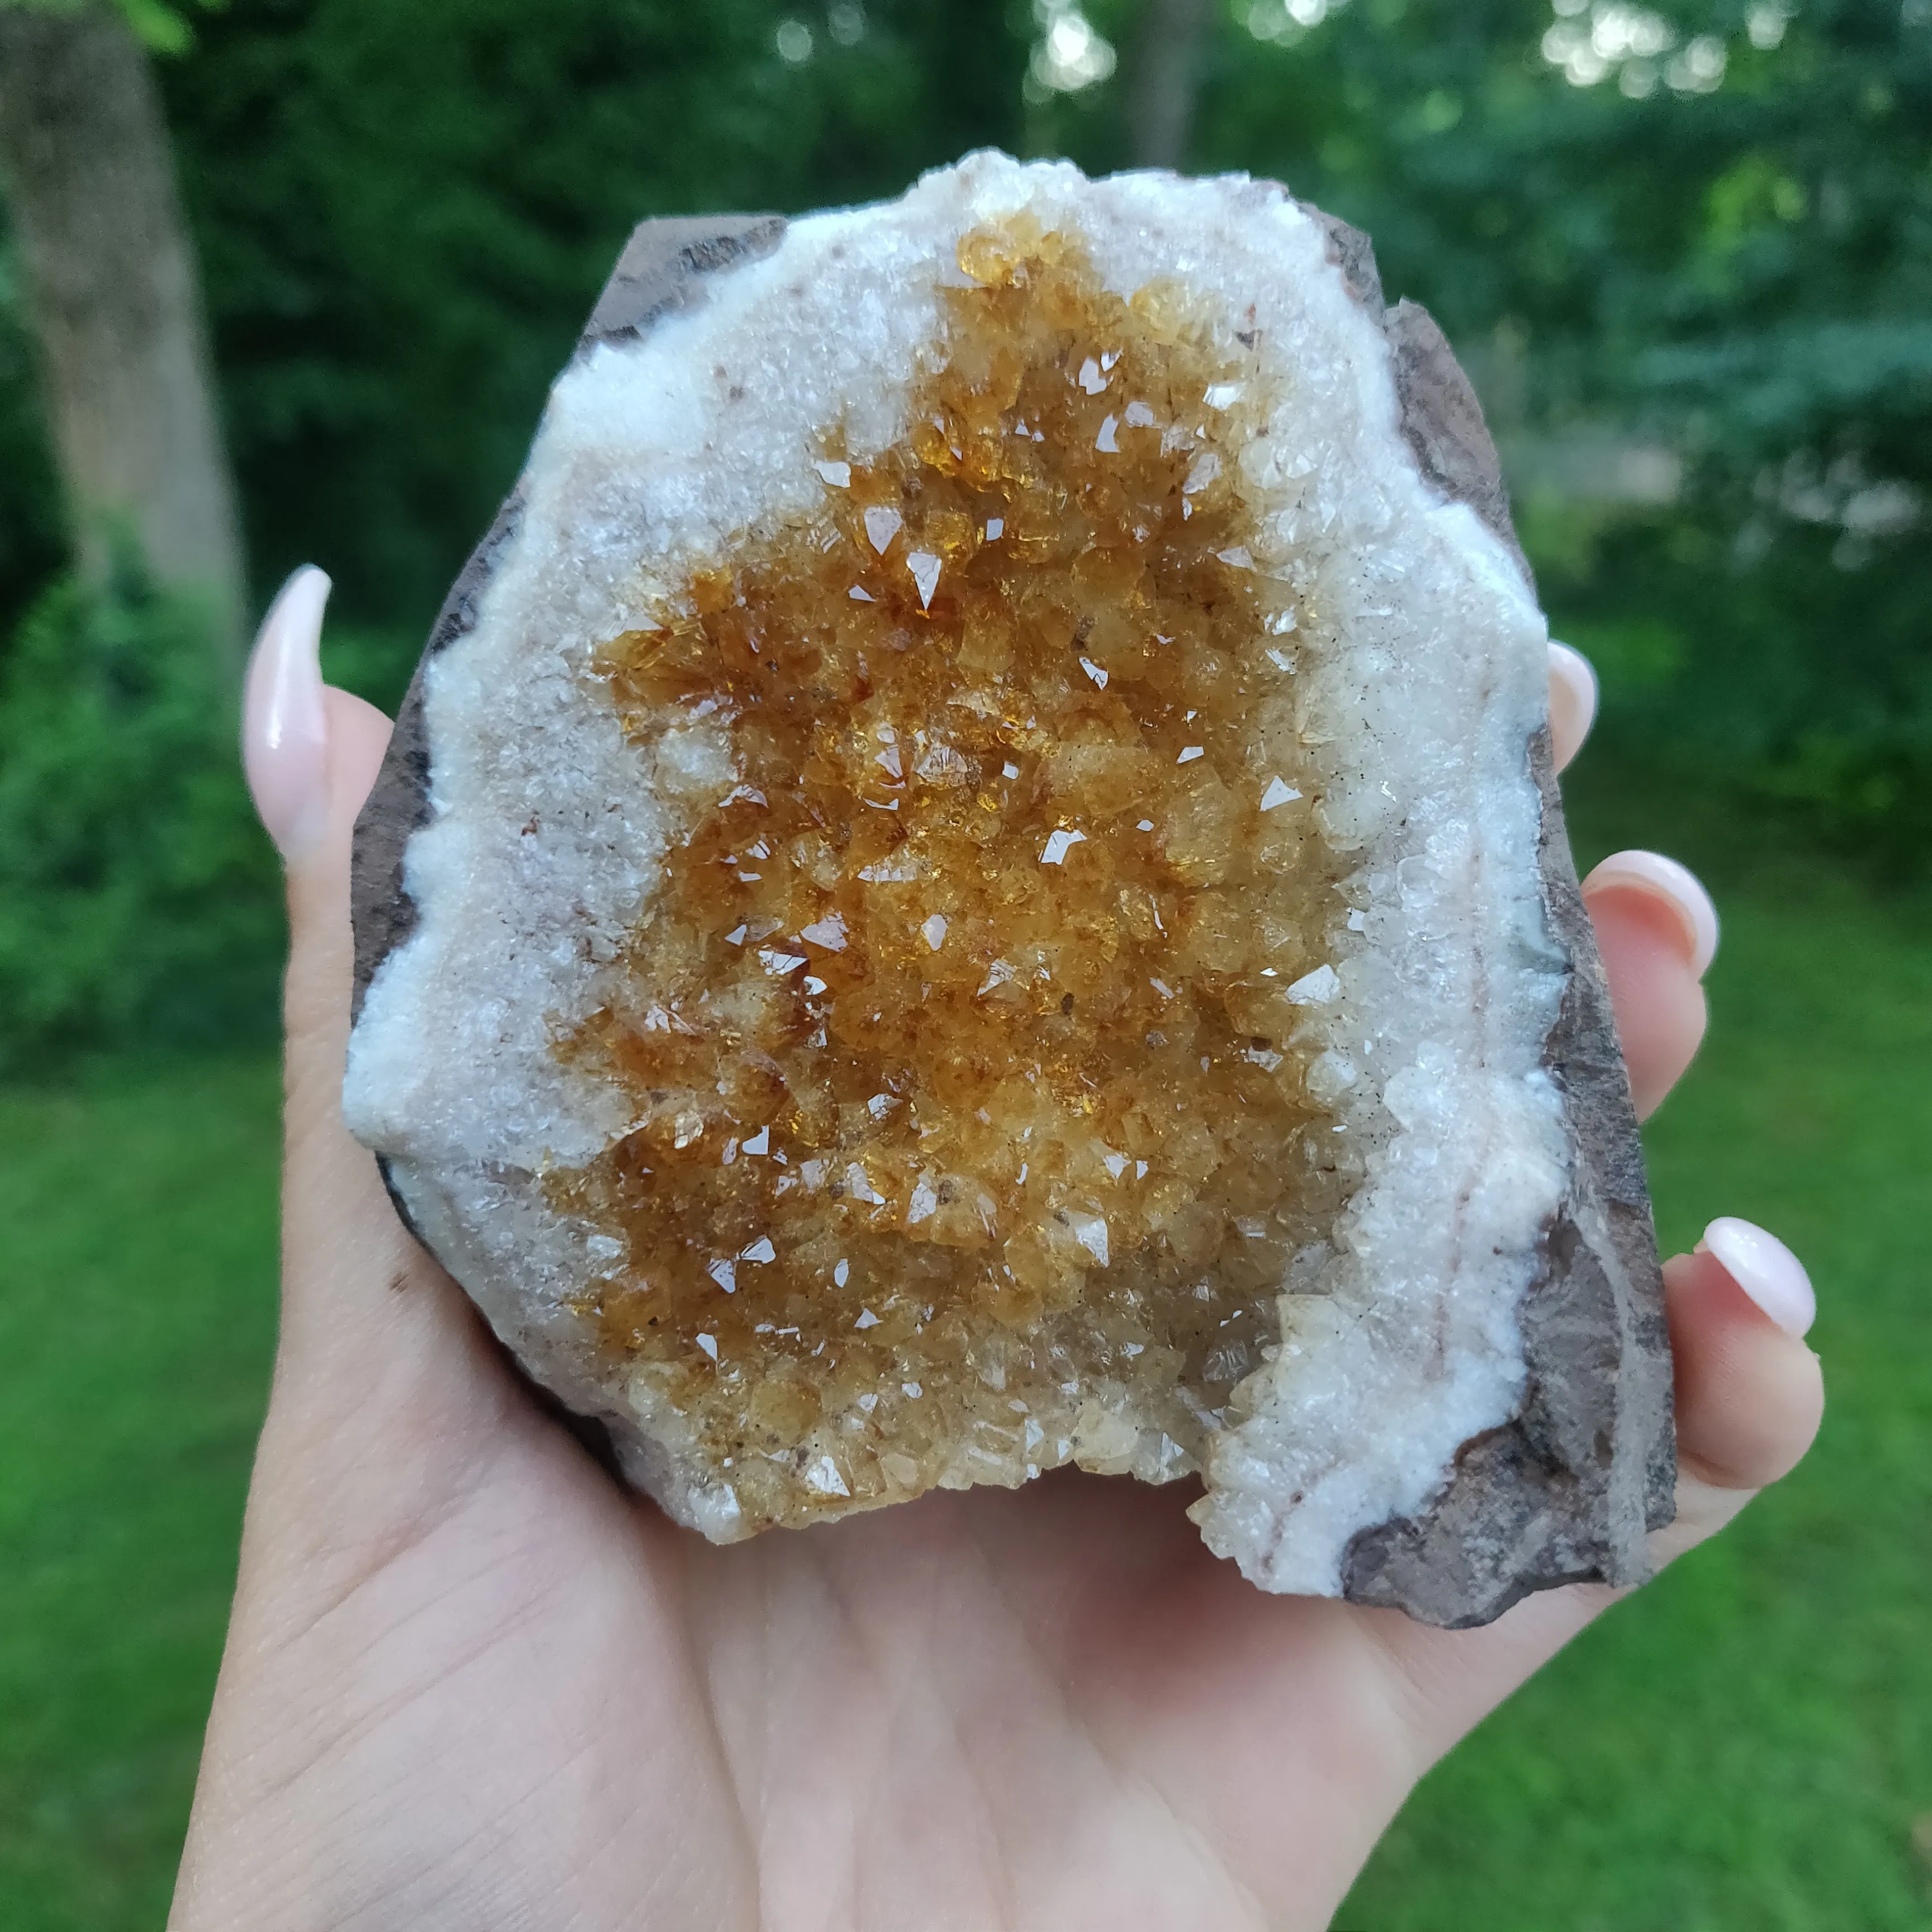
point(973, 1135)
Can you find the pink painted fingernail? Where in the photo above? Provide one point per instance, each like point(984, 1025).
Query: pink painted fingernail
point(1573, 702)
point(1670, 884)
point(1766, 1269)
point(284, 728)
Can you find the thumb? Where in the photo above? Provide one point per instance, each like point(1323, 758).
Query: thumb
point(312, 753)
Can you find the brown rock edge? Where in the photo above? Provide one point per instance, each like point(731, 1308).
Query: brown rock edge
point(1565, 1492)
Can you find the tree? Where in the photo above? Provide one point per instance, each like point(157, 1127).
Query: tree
point(1167, 80)
point(115, 301)
point(406, 208)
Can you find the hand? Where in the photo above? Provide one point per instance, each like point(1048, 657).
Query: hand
point(470, 1683)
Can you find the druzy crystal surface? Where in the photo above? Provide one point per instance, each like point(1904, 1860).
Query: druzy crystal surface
point(961, 1029)
point(970, 883)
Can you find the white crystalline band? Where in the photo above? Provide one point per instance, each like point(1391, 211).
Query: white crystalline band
point(1430, 681)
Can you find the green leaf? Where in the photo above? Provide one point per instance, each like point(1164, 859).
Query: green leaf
point(159, 27)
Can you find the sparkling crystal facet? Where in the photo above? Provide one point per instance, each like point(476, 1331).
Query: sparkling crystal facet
point(997, 1026)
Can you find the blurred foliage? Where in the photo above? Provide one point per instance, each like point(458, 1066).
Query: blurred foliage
point(166, 29)
point(1696, 292)
point(1738, 281)
point(31, 538)
point(406, 210)
point(141, 898)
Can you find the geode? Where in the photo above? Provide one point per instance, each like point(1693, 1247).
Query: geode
point(970, 881)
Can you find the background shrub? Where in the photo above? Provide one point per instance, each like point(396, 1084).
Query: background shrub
point(140, 899)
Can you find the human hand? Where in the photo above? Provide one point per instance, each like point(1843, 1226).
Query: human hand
point(469, 1682)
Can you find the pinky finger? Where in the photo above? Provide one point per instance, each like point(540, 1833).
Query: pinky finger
point(1750, 1393)
point(1573, 702)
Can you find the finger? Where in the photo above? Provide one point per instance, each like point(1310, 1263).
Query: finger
point(1657, 931)
point(1749, 1395)
point(336, 1214)
point(312, 755)
point(1573, 702)
point(284, 730)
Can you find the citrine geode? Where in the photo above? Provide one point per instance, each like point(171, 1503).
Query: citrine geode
point(971, 882)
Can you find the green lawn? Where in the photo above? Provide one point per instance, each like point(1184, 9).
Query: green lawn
point(137, 1317)
point(1747, 1744)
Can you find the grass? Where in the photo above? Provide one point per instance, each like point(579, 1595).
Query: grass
point(137, 1246)
point(1747, 1743)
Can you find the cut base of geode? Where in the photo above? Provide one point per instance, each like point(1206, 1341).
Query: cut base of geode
point(970, 881)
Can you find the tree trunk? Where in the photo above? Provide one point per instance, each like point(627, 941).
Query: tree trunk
point(114, 302)
point(1167, 80)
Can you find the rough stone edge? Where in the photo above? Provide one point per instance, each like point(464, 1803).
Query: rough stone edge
point(1566, 1491)
point(659, 273)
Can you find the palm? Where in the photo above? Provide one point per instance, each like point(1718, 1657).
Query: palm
point(522, 1690)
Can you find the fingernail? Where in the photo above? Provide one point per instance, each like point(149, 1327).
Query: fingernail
point(1766, 1269)
point(1573, 701)
point(284, 728)
point(1670, 884)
